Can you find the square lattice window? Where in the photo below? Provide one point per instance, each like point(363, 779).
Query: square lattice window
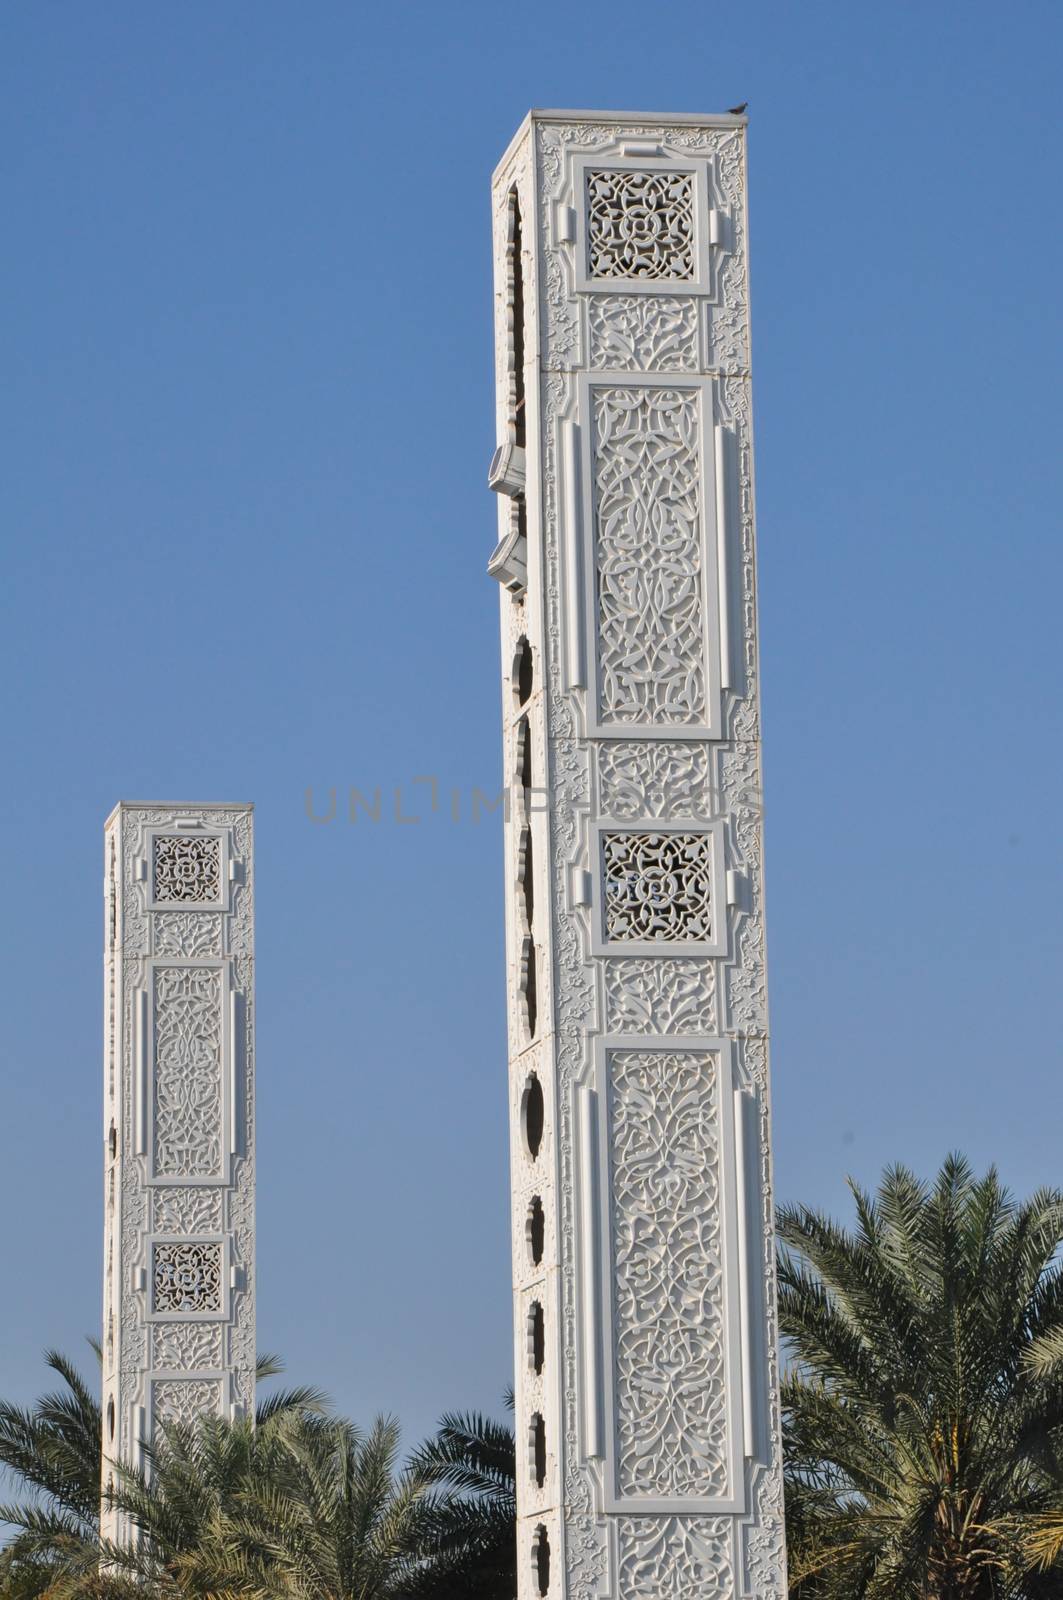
point(659, 889)
point(186, 869)
point(186, 1277)
point(641, 225)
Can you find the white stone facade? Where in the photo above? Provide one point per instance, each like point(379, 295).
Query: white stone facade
point(649, 1460)
point(179, 1150)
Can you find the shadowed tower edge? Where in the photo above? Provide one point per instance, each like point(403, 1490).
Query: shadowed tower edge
point(647, 1417)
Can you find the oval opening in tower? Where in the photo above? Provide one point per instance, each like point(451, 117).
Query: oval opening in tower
point(535, 1231)
point(533, 1115)
point(523, 672)
point(537, 1449)
point(112, 1141)
point(541, 1561)
point(536, 1338)
point(110, 1419)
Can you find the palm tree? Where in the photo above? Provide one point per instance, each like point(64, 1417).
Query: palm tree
point(467, 1537)
point(333, 1519)
point(924, 1412)
point(55, 1450)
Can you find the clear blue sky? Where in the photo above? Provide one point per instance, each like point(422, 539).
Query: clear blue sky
point(247, 416)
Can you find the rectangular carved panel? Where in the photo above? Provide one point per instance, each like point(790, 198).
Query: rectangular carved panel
point(187, 1210)
point(188, 933)
point(661, 1557)
point(182, 1400)
point(186, 1346)
point(188, 1072)
point(648, 556)
point(642, 333)
point(670, 1343)
point(655, 996)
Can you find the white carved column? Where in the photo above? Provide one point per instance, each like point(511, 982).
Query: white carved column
point(178, 1305)
point(646, 1354)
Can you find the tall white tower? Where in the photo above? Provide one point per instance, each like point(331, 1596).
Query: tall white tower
point(179, 1232)
point(647, 1409)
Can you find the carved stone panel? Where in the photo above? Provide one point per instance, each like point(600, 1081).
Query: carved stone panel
point(648, 556)
point(640, 224)
point(658, 886)
point(187, 868)
point(188, 933)
point(187, 1210)
point(182, 1400)
point(662, 1558)
point(660, 779)
point(668, 1275)
point(188, 1117)
point(655, 996)
point(186, 1346)
point(187, 1276)
point(643, 333)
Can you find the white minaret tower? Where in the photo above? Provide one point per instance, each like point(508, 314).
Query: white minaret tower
point(179, 1232)
point(646, 1369)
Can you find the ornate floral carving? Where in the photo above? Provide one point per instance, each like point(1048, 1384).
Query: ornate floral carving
point(188, 1082)
point(658, 886)
point(730, 316)
point(765, 1537)
point(182, 1400)
point(186, 1346)
point(643, 333)
point(661, 1557)
point(657, 778)
point(669, 1337)
point(188, 933)
point(640, 224)
point(187, 867)
point(648, 555)
point(186, 1276)
point(660, 996)
point(186, 1210)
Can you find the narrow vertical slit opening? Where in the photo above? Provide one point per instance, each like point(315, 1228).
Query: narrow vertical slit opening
point(523, 672)
point(536, 1339)
point(535, 1231)
point(524, 758)
point(528, 986)
point(527, 876)
point(541, 1560)
point(537, 1449)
